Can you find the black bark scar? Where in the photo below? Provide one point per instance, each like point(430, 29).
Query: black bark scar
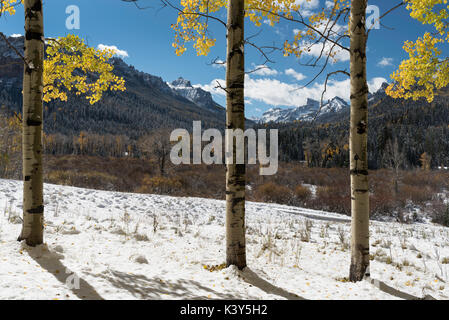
point(361, 127)
point(33, 123)
point(37, 6)
point(37, 210)
point(30, 35)
point(357, 172)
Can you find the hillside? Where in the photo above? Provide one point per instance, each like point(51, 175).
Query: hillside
point(148, 103)
point(309, 112)
point(417, 126)
point(133, 246)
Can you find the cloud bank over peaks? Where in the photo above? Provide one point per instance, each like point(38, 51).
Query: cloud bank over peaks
point(276, 93)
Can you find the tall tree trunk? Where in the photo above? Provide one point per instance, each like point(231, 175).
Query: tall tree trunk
point(358, 144)
point(235, 119)
point(33, 204)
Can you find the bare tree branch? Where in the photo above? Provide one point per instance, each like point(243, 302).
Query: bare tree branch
point(325, 89)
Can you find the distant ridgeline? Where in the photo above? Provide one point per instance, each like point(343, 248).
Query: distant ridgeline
point(420, 131)
point(113, 125)
point(148, 103)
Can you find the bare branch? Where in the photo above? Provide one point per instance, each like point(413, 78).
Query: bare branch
point(219, 86)
point(325, 89)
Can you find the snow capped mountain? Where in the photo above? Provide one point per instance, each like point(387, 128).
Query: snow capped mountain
point(5, 49)
point(181, 83)
point(337, 104)
point(291, 114)
point(307, 112)
point(197, 95)
point(375, 97)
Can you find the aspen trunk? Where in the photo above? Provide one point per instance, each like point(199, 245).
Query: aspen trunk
point(33, 205)
point(235, 119)
point(358, 144)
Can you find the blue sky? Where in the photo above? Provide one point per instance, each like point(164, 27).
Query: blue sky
point(145, 36)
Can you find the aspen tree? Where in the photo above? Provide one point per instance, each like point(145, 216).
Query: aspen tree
point(191, 28)
point(32, 120)
point(235, 119)
point(425, 71)
point(46, 80)
point(358, 143)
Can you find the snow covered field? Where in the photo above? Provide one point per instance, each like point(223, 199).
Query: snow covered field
point(134, 246)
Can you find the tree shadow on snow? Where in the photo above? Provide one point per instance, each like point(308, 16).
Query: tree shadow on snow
point(142, 287)
point(51, 262)
point(253, 279)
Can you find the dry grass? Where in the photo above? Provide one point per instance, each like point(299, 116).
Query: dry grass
point(286, 187)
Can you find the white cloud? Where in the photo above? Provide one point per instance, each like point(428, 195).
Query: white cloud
point(219, 64)
point(297, 75)
point(267, 22)
point(263, 70)
point(385, 62)
point(15, 35)
point(117, 51)
point(308, 4)
point(323, 27)
point(276, 93)
point(375, 83)
point(329, 4)
point(315, 50)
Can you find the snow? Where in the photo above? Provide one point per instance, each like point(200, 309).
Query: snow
point(306, 112)
point(106, 241)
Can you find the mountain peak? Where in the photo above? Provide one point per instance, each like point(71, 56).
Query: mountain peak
point(305, 112)
point(181, 82)
point(383, 87)
point(337, 98)
point(6, 51)
point(311, 102)
point(336, 104)
point(197, 95)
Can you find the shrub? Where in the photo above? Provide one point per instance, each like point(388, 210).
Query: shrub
point(302, 193)
point(333, 198)
point(159, 185)
point(272, 192)
point(436, 180)
point(85, 179)
point(440, 213)
point(383, 202)
point(417, 194)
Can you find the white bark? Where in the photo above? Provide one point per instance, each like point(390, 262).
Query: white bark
point(235, 119)
point(33, 205)
point(358, 144)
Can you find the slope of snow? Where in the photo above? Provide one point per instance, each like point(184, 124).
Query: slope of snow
point(307, 112)
point(335, 105)
point(290, 114)
point(197, 95)
point(107, 241)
